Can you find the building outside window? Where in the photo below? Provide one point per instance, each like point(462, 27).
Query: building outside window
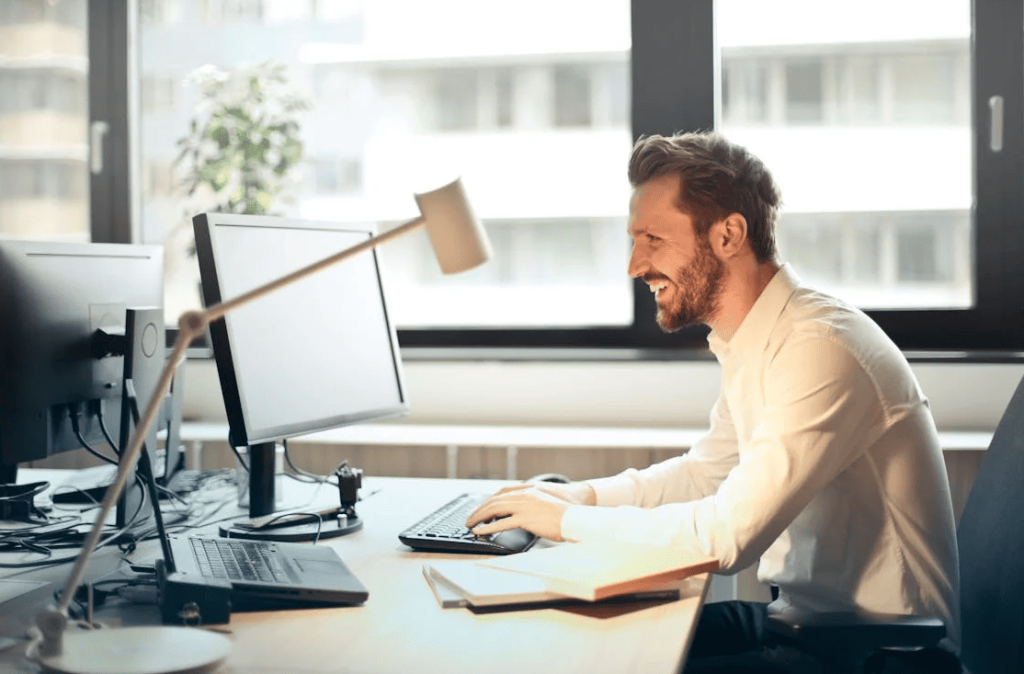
point(44, 117)
point(868, 131)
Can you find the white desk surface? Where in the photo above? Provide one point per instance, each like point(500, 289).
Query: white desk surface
point(401, 628)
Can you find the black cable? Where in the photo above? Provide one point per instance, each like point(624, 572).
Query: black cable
point(298, 474)
point(106, 433)
point(73, 413)
point(46, 538)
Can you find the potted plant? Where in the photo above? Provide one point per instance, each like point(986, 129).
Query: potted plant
point(238, 156)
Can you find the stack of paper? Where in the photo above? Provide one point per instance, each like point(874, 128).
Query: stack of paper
point(580, 571)
point(462, 583)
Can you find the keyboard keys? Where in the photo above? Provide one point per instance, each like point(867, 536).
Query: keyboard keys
point(238, 560)
point(445, 530)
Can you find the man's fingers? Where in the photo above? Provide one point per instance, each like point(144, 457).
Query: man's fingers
point(515, 487)
point(495, 526)
point(499, 505)
point(488, 510)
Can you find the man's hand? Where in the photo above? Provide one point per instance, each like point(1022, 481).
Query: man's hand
point(535, 506)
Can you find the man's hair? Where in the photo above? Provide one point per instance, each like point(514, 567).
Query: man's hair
point(718, 178)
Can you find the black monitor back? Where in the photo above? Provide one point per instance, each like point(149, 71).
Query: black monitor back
point(54, 296)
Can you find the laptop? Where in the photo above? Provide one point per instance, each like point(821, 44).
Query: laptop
point(260, 575)
point(202, 579)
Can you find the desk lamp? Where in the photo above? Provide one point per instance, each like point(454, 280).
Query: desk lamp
point(459, 242)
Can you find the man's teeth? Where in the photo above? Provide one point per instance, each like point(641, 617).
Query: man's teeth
point(655, 287)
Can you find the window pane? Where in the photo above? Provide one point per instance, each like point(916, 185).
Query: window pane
point(404, 96)
point(804, 101)
point(44, 117)
point(866, 126)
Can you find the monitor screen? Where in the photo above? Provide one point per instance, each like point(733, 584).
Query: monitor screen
point(53, 297)
point(314, 355)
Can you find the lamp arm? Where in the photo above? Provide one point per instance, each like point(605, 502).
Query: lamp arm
point(52, 622)
point(125, 465)
point(191, 324)
point(218, 310)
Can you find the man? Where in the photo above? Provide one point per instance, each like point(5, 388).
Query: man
point(822, 459)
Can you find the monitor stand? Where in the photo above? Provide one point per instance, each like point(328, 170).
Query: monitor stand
point(287, 526)
point(144, 358)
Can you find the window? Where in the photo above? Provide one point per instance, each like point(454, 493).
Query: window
point(456, 99)
point(44, 116)
point(213, 12)
point(925, 235)
point(804, 99)
point(572, 96)
point(334, 175)
point(896, 194)
point(159, 94)
point(837, 129)
point(533, 117)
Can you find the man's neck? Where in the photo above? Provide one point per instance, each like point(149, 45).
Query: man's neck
point(744, 283)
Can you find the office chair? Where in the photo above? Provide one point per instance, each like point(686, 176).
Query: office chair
point(990, 539)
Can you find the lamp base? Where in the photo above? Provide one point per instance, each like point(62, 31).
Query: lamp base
point(139, 650)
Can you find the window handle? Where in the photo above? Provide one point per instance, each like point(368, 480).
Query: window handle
point(995, 106)
point(96, 133)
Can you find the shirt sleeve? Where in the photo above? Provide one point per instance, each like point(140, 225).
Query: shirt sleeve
point(818, 403)
point(693, 475)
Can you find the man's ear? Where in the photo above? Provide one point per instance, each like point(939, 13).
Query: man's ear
point(729, 235)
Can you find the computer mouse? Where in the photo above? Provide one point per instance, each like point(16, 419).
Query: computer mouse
point(550, 477)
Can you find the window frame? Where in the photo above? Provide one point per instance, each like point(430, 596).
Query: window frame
point(674, 78)
point(111, 79)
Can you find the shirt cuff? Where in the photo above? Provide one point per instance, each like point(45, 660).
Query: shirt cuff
point(582, 523)
point(615, 490)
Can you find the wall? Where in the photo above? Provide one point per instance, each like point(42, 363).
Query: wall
point(658, 394)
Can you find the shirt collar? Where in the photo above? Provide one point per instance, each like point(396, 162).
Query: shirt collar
point(758, 323)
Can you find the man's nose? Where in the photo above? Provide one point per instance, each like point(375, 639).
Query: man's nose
point(638, 264)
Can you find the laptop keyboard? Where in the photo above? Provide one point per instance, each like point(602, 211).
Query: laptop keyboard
point(239, 560)
point(444, 530)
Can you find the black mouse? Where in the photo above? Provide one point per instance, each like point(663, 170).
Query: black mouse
point(550, 477)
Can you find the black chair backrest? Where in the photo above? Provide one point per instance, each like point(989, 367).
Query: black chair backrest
point(990, 537)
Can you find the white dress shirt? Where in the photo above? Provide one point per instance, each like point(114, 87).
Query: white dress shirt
point(822, 460)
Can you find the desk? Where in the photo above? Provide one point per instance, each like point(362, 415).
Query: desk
point(402, 629)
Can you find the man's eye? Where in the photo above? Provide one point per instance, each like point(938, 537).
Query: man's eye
point(652, 238)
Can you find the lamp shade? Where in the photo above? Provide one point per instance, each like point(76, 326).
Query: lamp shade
point(459, 240)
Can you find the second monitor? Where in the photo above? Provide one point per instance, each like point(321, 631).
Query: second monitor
point(316, 355)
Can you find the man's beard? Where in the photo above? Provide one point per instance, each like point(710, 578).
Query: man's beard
point(696, 291)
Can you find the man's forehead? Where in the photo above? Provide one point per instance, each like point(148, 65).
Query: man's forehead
point(654, 206)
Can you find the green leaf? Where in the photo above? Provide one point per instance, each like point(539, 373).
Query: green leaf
point(220, 135)
point(263, 201)
point(238, 113)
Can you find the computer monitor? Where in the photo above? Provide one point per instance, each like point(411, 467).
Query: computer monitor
point(315, 355)
point(54, 298)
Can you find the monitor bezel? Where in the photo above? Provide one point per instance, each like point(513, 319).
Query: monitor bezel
point(242, 431)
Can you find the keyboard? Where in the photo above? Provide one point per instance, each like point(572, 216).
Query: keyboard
point(238, 560)
point(444, 530)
